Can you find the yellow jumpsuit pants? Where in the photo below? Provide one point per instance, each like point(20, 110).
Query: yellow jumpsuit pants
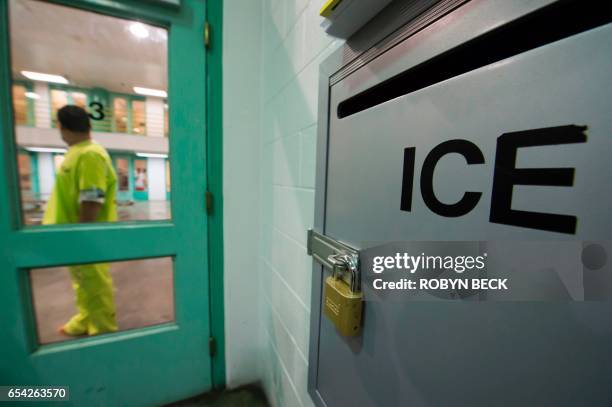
point(93, 286)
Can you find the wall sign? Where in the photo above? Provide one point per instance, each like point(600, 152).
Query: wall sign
point(505, 177)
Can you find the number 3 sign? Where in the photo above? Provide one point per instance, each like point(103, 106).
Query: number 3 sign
point(97, 111)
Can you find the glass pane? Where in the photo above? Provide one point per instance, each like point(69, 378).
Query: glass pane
point(28, 186)
point(79, 99)
point(20, 105)
point(140, 175)
point(92, 299)
point(138, 117)
point(109, 77)
point(120, 115)
point(59, 99)
point(122, 174)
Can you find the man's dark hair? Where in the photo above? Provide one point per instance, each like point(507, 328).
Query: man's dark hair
point(74, 118)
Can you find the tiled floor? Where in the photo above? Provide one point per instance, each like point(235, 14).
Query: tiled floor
point(143, 210)
point(246, 396)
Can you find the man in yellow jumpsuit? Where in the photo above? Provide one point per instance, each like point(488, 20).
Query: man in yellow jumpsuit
point(84, 191)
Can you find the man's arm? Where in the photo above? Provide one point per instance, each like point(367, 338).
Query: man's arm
point(91, 174)
point(88, 211)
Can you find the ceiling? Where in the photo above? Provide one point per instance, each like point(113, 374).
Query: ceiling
point(89, 49)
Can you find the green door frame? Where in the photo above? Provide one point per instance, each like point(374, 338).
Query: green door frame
point(214, 124)
point(12, 236)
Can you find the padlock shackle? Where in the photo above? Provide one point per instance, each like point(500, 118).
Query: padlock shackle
point(344, 261)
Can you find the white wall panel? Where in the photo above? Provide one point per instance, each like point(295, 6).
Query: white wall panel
point(156, 170)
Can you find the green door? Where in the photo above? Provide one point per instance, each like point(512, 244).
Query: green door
point(146, 362)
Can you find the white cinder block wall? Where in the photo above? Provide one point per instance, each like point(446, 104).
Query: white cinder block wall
point(290, 47)
point(293, 45)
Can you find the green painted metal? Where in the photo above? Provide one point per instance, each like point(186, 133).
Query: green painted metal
point(143, 196)
point(130, 159)
point(214, 71)
point(150, 366)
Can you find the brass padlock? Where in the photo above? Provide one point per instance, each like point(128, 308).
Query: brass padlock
point(343, 303)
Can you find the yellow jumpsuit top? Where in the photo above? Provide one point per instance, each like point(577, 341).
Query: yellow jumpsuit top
point(86, 174)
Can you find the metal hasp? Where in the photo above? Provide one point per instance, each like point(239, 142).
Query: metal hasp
point(332, 253)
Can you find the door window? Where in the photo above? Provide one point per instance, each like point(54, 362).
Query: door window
point(135, 294)
point(119, 79)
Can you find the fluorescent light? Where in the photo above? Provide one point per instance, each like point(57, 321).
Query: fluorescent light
point(44, 77)
point(151, 155)
point(139, 30)
point(150, 92)
point(32, 95)
point(46, 150)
